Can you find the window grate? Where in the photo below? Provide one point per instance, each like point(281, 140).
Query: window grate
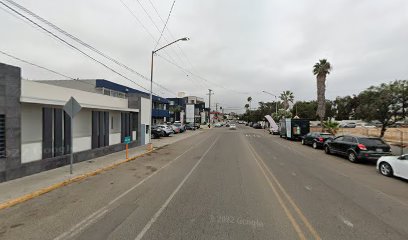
point(2, 136)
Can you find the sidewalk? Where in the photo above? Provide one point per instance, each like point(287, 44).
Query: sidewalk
point(22, 189)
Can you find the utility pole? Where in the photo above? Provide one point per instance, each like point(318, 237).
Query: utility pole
point(209, 104)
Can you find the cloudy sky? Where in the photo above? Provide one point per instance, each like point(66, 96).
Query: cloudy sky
point(238, 48)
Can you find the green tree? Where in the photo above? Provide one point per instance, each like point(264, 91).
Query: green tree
point(345, 107)
point(331, 126)
point(400, 89)
point(286, 97)
point(321, 69)
point(281, 114)
point(176, 110)
point(305, 109)
point(378, 103)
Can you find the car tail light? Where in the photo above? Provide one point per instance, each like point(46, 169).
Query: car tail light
point(361, 146)
point(321, 139)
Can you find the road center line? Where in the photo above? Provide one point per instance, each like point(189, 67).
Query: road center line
point(76, 229)
point(295, 207)
point(280, 200)
point(166, 203)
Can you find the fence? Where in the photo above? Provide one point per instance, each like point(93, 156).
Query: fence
point(392, 135)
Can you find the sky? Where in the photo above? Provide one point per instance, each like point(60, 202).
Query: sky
point(237, 48)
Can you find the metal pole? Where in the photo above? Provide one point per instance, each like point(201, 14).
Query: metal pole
point(71, 161)
point(402, 142)
point(276, 106)
point(209, 106)
point(151, 98)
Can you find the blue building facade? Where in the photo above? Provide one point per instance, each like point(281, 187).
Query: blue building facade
point(160, 109)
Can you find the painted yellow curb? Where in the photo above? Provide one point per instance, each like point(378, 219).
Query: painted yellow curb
point(42, 191)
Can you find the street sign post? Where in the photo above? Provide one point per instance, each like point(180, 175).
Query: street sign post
point(127, 141)
point(72, 107)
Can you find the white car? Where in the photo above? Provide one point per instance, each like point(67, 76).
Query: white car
point(393, 166)
point(167, 129)
point(232, 127)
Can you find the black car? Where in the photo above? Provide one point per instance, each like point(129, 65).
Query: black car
point(191, 126)
point(357, 148)
point(257, 126)
point(157, 132)
point(316, 139)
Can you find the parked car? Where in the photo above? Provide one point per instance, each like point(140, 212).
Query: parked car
point(250, 124)
point(274, 131)
point(232, 127)
point(348, 125)
point(393, 166)
point(316, 139)
point(191, 126)
point(257, 126)
point(168, 130)
point(227, 125)
point(217, 125)
point(365, 125)
point(157, 132)
point(180, 125)
point(175, 129)
point(357, 148)
point(376, 123)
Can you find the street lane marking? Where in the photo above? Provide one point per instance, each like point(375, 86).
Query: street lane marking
point(76, 229)
point(166, 203)
point(295, 207)
point(308, 188)
point(283, 205)
point(347, 222)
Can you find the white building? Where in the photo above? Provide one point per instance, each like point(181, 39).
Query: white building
point(36, 131)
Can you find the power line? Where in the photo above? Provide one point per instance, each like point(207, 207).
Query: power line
point(168, 30)
point(157, 28)
point(144, 27)
point(198, 76)
point(36, 65)
point(79, 41)
point(84, 43)
point(165, 24)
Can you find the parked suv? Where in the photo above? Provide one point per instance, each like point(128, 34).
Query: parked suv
point(167, 130)
point(316, 139)
point(157, 132)
point(357, 148)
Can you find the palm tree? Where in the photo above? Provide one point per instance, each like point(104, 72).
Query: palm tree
point(176, 110)
point(321, 69)
point(331, 126)
point(249, 99)
point(286, 97)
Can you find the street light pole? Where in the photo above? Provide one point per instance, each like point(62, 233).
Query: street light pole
point(151, 83)
point(276, 100)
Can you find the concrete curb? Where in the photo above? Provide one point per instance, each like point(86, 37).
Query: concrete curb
point(42, 191)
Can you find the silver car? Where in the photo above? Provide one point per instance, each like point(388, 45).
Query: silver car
point(168, 130)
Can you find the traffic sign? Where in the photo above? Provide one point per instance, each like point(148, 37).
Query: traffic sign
point(127, 140)
point(72, 107)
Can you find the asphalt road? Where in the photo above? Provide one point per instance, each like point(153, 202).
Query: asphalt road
point(221, 184)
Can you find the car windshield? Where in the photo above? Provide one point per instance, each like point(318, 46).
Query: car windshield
point(371, 141)
point(177, 124)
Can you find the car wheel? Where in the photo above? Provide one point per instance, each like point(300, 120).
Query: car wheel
point(327, 149)
point(386, 169)
point(303, 142)
point(314, 145)
point(352, 157)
